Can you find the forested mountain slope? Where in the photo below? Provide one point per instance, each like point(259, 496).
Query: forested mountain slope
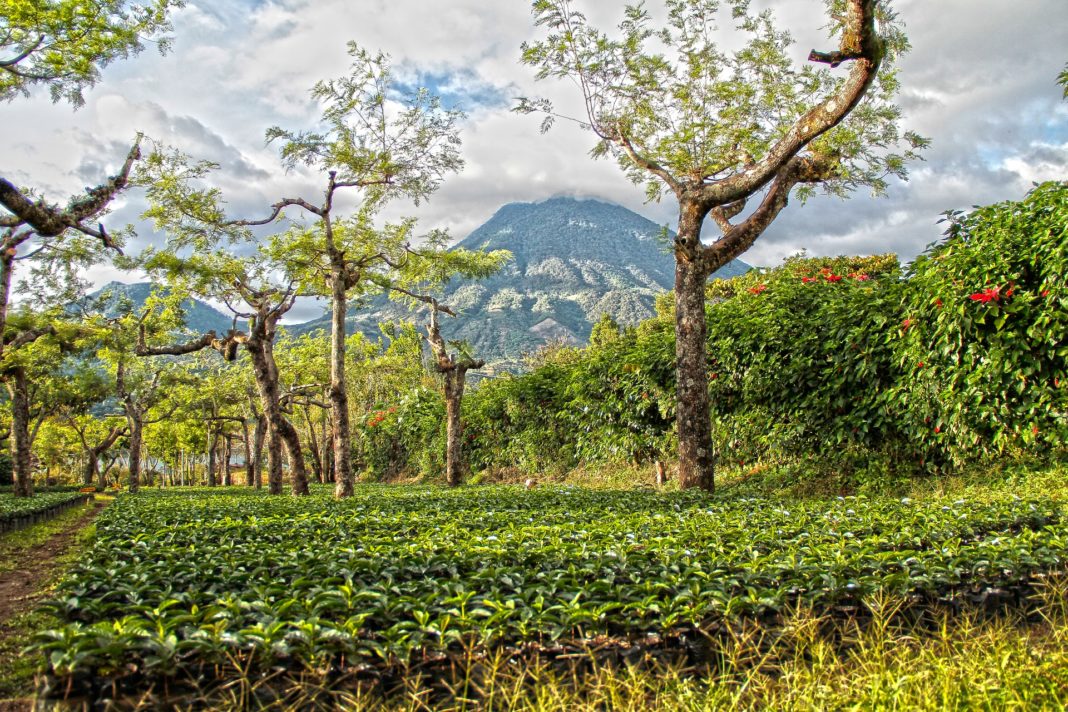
point(574, 260)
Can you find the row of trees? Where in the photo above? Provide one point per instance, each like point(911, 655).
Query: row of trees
point(186, 420)
point(729, 135)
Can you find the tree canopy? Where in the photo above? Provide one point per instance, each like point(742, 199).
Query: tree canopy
point(63, 44)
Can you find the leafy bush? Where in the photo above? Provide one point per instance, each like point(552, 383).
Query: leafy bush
point(844, 362)
point(983, 348)
point(801, 360)
point(13, 508)
point(406, 437)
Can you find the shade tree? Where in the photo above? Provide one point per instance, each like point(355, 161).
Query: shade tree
point(728, 134)
point(375, 141)
point(257, 289)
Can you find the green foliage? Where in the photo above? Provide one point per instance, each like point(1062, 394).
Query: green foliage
point(801, 360)
point(178, 580)
point(522, 421)
point(982, 353)
point(407, 437)
point(695, 109)
point(841, 361)
point(797, 367)
point(63, 44)
point(13, 508)
point(370, 143)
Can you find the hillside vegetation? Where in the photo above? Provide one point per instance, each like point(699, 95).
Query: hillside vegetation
point(573, 261)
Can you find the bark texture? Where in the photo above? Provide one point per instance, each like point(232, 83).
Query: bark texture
point(19, 389)
point(341, 432)
point(454, 373)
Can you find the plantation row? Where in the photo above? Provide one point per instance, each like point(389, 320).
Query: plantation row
point(180, 579)
point(14, 509)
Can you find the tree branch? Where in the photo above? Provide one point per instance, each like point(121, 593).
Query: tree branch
point(722, 214)
point(7, 63)
point(644, 163)
point(48, 221)
point(860, 44)
point(739, 238)
point(277, 209)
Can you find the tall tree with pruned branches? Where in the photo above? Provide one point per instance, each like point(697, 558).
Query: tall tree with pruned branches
point(728, 134)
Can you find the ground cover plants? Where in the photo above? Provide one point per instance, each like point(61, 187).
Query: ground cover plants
point(177, 581)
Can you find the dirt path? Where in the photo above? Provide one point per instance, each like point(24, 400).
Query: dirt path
point(23, 582)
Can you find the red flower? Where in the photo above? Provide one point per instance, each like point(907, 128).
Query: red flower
point(919, 365)
point(806, 280)
point(938, 303)
point(1034, 430)
point(758, 289)
point(906, 324)
point(1045, 292)
point(991, 294)
point(938, 428)
point(860, 277)
point(834, 277)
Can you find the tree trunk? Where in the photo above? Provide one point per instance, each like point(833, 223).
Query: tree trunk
point(454, 393)
point(693, 416)
point(227, 452)
point(19, 389)
point(213, 444)
point(339, 399)
point(328, 456)
point(257, 450)
point(313, 447)
point(274, 461)
point(250, 466)
point(89, 472)
point(7, 267)
point(136, 437)
point(291, 438)
point(280, 431)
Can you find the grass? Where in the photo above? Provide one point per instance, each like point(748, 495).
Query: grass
point(15, 544)
point(17, 669)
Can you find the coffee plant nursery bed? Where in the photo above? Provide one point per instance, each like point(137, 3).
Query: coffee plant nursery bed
point(18, 512)
point(177, 581)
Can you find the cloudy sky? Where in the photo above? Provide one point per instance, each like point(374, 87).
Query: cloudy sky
point(979, 82)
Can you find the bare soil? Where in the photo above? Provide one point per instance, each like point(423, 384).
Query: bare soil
point(25, 581)
point(23, 584)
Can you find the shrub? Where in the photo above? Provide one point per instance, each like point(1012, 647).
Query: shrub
point(983, 348)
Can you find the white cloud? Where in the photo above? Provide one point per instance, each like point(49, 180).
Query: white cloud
point(979, 82)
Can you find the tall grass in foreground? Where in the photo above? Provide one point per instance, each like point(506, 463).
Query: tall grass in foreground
point(971, 660)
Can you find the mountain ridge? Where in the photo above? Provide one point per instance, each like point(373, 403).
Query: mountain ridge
point(573, 261)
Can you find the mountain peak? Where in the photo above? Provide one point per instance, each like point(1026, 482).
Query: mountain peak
point(574, 259)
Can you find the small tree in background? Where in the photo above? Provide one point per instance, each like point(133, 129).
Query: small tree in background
point(373, 139)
